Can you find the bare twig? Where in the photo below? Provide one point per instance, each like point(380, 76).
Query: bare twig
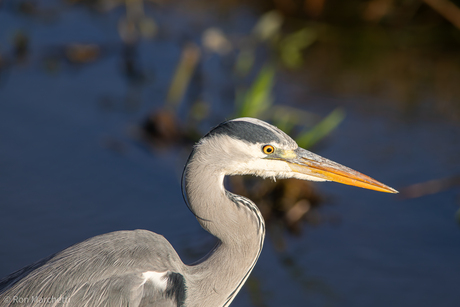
point(429, 187)
point(447, 9)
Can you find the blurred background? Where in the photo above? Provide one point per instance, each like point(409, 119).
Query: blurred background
point(101, 101)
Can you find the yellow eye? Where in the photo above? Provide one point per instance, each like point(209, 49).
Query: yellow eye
point(268, 149)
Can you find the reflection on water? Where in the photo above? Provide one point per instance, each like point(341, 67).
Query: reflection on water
point(74, 95)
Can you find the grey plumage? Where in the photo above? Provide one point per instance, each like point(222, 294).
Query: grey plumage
point(252, 131)
point(140, 268)
point(119, 257)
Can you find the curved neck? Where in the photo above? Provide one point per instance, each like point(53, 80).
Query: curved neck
point(236, 222)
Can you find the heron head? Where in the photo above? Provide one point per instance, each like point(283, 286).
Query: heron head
point(251, 146)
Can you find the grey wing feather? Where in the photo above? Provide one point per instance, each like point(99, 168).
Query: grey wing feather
point(105, 270)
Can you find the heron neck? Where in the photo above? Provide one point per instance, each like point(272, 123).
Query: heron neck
point(238, 225)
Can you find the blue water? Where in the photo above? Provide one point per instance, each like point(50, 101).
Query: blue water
point(70, 169)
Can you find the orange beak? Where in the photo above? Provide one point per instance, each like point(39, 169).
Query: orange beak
point(310, 164)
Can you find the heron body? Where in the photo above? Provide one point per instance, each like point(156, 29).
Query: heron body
point(141, 268)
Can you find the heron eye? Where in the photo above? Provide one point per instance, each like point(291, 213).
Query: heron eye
point(268, 149)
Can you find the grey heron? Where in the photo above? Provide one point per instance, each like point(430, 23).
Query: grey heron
point(141, 268)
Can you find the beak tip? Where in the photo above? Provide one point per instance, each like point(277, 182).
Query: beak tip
point(315, 166)
point(382, 188)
